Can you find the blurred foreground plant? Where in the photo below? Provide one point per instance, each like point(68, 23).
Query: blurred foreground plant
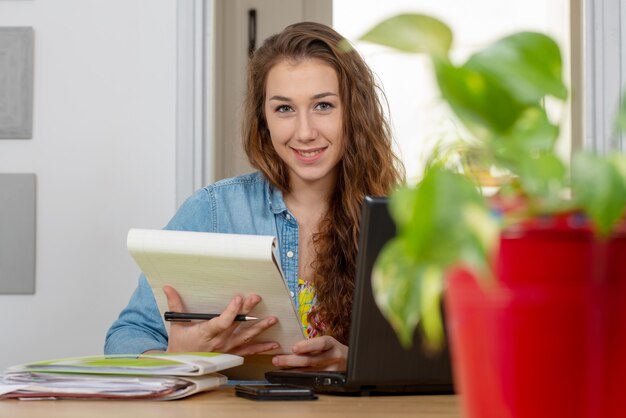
point(445, 220)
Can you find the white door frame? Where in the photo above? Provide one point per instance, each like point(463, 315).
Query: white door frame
point(604, 67)
point(193, 83)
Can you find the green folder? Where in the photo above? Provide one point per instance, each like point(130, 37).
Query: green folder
point(165, 364)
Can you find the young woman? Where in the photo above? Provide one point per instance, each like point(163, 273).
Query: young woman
point(315, 130)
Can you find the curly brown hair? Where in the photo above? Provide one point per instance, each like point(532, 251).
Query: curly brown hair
point(368, 166)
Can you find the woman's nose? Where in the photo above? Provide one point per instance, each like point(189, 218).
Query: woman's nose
point(305, 130)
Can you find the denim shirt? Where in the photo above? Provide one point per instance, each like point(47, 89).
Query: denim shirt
point(247, 204)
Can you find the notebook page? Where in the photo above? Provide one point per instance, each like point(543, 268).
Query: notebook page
point(208, 269)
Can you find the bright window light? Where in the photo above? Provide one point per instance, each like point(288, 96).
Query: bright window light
point(418, 119)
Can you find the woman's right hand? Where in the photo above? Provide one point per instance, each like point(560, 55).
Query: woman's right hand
point(221, 334)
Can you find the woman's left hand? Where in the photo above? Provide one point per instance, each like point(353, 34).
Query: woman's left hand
point(320, 353)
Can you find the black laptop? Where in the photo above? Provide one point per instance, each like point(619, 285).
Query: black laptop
point(377, 364)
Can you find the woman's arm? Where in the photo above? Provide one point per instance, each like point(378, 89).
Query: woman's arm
point(139, 327)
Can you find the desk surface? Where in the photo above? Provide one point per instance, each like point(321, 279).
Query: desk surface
point(224, 403)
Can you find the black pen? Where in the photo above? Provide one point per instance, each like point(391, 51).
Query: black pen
point(188, 316)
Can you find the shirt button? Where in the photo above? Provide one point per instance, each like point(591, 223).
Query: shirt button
point(288, 216)
point(291, 293)
point(289, 254)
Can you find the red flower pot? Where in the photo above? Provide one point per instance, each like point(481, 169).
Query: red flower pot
point(548, 337)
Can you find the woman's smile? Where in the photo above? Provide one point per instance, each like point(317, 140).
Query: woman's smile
point(309, 156)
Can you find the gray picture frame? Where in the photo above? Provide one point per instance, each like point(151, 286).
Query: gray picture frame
point(18, 233)
point(16, 82)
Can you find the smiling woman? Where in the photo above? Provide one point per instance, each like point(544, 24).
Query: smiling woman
point(315, 130)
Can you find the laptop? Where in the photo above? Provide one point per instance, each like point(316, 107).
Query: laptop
point(377, 363)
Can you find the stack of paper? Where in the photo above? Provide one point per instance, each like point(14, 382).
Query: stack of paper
point(155, 376)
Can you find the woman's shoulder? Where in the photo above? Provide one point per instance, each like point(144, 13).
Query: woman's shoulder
point(241, 182)
point(251, 188)
point(223, 205)
point(246, 186)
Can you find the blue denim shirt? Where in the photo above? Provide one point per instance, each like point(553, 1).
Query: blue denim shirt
point(247, 204)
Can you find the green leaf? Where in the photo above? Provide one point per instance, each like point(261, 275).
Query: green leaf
point(439, 197)
point(430, 307)
point(619, 162)
point(412, 33)
point(533, 132)
point(396, 281)
point(440, 221)
point(479, 100)
point(402, 205)
point(532, 135)
point(483, 236)
point(599, 188)
point(527, 63)
point(543, 178)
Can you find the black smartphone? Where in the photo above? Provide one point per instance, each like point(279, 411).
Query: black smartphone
point(275, 392)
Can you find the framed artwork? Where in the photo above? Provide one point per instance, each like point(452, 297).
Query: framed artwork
point(18, 226)
point(16, 82)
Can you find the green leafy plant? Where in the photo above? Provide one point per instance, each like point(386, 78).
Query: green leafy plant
point(444, 221)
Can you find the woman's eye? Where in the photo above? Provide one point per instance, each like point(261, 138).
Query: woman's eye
point(283, 109)
point(324, 106)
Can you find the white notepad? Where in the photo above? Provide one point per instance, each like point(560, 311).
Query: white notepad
point(208, 269)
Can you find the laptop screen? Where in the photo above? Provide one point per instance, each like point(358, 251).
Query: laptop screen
point(376, 356)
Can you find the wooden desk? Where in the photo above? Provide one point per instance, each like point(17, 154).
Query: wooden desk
point(223, 404)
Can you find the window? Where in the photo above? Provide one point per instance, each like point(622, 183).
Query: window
point(417, 117)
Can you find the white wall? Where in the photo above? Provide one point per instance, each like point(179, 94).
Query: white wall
point(103, 151)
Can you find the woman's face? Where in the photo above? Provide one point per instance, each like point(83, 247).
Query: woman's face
point(304, 116)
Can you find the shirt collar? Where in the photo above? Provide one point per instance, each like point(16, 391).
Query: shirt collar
point(275, 199)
